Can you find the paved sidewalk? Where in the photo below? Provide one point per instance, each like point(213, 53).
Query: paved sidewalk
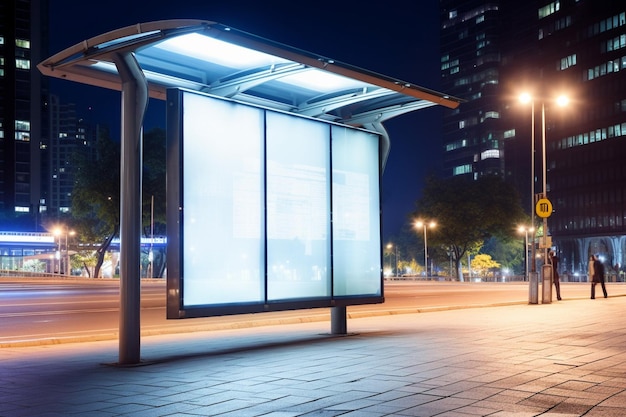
point(562, 359)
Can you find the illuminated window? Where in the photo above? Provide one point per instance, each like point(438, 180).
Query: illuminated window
point(22, 43)
point(22, 63)
point(490, 154)
point(463, 169)
point(509, 133)
point(568, 61)
point(22, 136)
point(22, 125)
point(549, 9)
point(22, 130)
point(492, 115)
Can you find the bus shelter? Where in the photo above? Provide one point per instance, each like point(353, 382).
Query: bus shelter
point(274, 161)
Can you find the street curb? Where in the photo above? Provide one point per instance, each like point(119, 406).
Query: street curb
point(261, 322)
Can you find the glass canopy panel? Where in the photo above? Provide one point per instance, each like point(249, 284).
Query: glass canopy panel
point(210, 57)
point(207, 60)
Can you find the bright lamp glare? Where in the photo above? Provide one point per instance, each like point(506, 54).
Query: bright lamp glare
point(525, 98)
point(562, 101)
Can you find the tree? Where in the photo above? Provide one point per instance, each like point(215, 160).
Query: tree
point(508, 251)
point(483, 264)
point(96, 195)
point(468, 212)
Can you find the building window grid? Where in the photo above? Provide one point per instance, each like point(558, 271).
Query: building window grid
point(566, 62)
point(606, 24)
point(592, 136)
point(549, 9)
point(609, 67)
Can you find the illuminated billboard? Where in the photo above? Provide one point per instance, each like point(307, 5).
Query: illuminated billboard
point(268, 211)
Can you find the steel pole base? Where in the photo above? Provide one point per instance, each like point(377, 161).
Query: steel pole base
point(533, 288)
point(546, 273)
point(338, 320)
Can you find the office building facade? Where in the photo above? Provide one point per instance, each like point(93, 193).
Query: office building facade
point(470, 61)
point(491, 53)
point(23, 34)
point(71, 137)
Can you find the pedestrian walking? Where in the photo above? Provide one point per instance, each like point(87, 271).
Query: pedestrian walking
point(598, 277)
point(554, 260)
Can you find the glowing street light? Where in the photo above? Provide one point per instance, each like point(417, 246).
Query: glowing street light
point(422, 224)
point(561, 101)
point(58, 232)
point(390, 246)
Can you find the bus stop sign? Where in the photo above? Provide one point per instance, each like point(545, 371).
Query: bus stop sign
point(543, 208)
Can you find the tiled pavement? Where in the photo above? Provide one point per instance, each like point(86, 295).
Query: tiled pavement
point(562, 359)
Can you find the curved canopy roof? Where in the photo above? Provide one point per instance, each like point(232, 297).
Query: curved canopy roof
point(210, 57)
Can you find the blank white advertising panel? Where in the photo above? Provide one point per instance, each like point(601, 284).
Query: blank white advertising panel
point(298, 207)
point(356, 213)
point(268, 211)
point(223, 201)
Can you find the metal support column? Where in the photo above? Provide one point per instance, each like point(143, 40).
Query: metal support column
point(134, 104)
point(533, 288)
point(546, 273)
point(338, 320)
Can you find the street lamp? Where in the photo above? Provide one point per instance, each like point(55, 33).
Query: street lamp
point(525, 230)
point(422, 224)
point(63, 259)
point(389, 246)
point(68, 267)
point(57, 254)
point(544, 203)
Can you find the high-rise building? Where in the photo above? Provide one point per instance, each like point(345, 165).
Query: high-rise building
point(23, 41)
point(71, 137)
point(582, 45)
point(492, 51)
point(470, 62)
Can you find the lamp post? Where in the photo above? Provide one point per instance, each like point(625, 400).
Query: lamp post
point(525, 230)
point(422, 224)
point(389, 246)
point(64, 259)
point(68, 267)
point(543, 207)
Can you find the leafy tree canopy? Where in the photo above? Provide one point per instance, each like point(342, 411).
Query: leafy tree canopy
point(468, 212)
point(96, 194)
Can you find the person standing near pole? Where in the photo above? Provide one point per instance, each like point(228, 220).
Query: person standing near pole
point(598, 277)
point(554, 260)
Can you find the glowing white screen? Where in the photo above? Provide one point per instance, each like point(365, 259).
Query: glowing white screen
point(223, 247)
point(298, 208)
point(257, 189)
point(356, 213)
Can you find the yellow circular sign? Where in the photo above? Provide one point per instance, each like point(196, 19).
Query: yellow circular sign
point(543, 208)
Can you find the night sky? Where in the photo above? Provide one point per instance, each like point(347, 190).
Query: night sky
point(395, 38)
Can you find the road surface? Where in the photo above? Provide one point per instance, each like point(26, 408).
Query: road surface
point(56, 311)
